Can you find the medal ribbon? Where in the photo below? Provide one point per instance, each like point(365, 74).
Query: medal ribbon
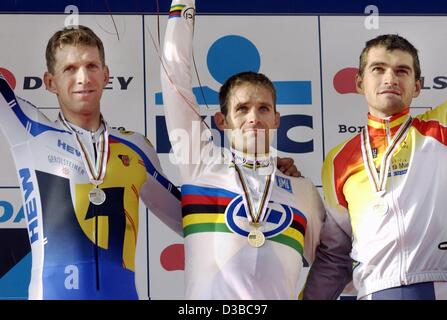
point(96, 171)
point(378, 180)
point(255, 217)
point(241, 160)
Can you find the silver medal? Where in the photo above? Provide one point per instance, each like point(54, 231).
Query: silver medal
point(97, 196)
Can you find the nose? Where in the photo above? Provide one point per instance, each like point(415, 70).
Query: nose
point(82, 76)
point(254, 116)
point(390, 77)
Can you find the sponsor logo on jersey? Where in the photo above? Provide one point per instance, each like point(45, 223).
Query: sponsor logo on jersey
point(68, 148)
point(278, 218)
point(31, 209)
point(67, 164)
point(284, 183)
point(125, 159)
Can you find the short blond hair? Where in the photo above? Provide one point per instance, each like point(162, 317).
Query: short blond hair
point(74, 36)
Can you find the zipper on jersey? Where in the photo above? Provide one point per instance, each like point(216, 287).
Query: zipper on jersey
point(388, 132)
point(96, 250)
point(96, 227)
point(399, 217)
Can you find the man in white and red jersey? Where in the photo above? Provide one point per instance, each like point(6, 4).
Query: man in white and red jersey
point(385, 189)
point(81, 180)
point(248, 228)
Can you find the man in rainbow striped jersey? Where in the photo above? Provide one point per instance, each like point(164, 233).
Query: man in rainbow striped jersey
point(248, 228)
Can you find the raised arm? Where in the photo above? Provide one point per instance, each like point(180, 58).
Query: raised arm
point(182, 113)
point(19, 119)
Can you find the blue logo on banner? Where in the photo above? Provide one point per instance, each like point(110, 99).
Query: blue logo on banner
point(8, 213)
point(233, 54)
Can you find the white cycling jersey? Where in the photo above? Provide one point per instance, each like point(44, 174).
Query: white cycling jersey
point(397, 237)
point(81, 250)
point(220, 262)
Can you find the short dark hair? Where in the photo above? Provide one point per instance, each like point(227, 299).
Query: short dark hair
point(74, 36)
point(390, 42)
point(239, 79)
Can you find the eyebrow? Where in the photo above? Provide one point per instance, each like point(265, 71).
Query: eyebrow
point(68, 64)
point(264, 103)
point(380, 63)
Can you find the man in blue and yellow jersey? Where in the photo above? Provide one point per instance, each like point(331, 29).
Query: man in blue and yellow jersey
point(385, 189)
point(81, 180)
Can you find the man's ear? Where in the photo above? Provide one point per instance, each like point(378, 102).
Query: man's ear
point(106, 75)
point(417, 90)
point(277, 119)
point(219, 120)
point(359, 84)
point(49, 82)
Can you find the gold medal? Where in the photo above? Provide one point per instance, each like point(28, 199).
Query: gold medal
point(256, 238)
point(379, 206)
point(97, 196)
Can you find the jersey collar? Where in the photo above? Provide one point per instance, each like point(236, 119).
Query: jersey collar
point(380, 127)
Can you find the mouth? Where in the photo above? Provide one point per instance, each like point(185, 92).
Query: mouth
point(254, 131)
point(83, 92)
point(391, 91)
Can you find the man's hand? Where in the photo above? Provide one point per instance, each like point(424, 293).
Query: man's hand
point(286, 166)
